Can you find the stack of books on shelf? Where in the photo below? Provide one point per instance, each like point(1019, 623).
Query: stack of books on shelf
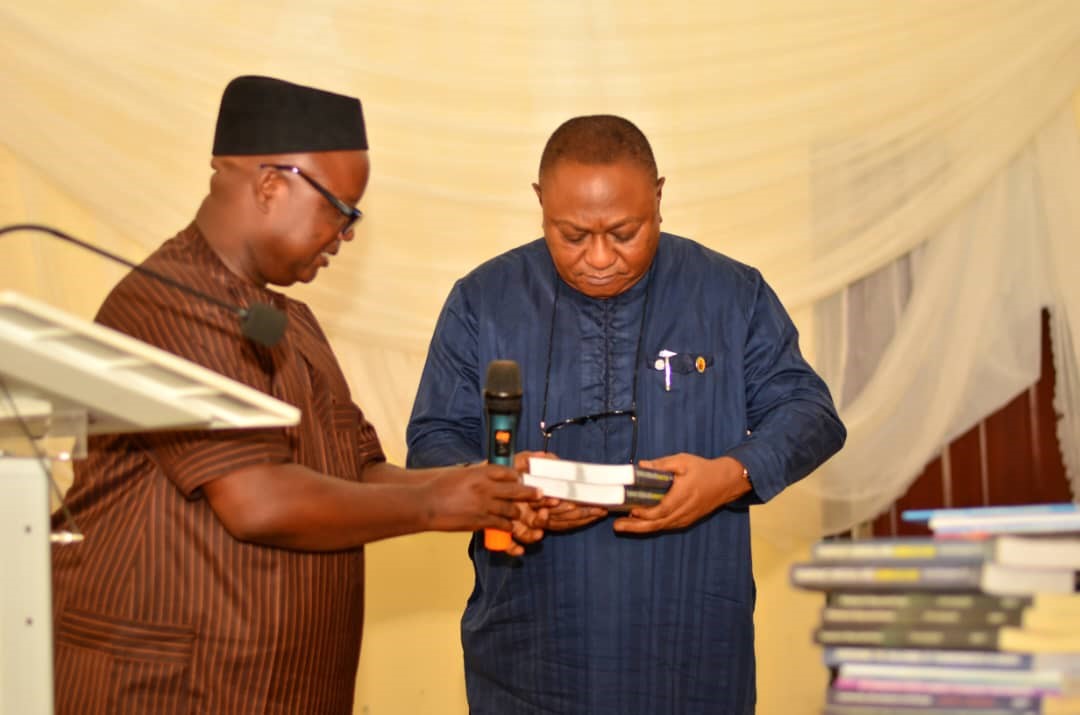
point(981, 619)
point(613, 486)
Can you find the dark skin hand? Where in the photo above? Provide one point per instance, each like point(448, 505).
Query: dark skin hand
point(701, 486)
point(549, 513)
point(294, 507)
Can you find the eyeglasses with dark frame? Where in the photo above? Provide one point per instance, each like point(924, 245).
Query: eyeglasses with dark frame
point(351, 213)
point(548, 430)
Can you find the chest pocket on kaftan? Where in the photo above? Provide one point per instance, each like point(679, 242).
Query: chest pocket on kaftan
point(673, 371)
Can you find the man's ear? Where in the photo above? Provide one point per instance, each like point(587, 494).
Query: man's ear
point(536, 188)
point(659, 195)
point(266, 187)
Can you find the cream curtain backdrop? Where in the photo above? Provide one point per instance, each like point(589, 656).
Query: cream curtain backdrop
point(966, 341)
point(901, 171)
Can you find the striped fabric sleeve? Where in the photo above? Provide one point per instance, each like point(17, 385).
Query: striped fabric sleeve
point(207, 336)
point(191, 459)
point(369, 449)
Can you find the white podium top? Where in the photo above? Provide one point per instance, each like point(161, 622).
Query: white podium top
point(53, 362)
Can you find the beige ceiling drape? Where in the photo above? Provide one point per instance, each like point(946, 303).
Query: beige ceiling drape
point(820, 141)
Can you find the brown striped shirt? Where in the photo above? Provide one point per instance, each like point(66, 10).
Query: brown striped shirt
point(161, 610)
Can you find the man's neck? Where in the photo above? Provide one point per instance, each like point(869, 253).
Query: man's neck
point(227, 242)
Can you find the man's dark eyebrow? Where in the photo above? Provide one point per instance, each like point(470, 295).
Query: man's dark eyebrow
point(620, 224)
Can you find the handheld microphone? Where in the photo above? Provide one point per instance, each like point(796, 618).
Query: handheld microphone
point(502, 405)
point(260, 322)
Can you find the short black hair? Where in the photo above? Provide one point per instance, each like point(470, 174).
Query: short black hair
point(598, 139)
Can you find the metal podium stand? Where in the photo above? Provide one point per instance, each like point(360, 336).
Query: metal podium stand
point(61, 376)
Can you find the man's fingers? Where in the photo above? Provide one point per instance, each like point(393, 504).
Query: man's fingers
point(573, 518)
point(631, 525)
point(515, 492)
point(578, 512)
point(501, 474)
point(639, 522)
point(652, 513)
point(534, 518)
point(567, 507)
point(491, 521)
point(570, 524)
point(505, 509)
point(521, 459)
point(525, 535)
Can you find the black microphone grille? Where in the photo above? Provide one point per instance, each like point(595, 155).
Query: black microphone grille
point(502, 386)
point(263, 323)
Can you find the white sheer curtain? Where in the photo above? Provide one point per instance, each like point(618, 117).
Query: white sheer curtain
point(923, 349)
point(1057, 153)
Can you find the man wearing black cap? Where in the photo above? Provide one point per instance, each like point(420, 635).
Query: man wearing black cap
point(223, 572)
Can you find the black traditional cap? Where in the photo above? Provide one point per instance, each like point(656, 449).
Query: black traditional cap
point(263, 115)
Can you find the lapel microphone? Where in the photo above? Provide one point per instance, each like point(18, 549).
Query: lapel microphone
point(260, 322)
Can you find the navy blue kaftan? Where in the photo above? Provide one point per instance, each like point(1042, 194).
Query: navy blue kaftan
point(589, 621)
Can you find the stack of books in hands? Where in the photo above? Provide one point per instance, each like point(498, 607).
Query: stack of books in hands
point(982, 619)
point(617, 487)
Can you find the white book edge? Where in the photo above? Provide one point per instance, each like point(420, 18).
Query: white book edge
point(1019, 517)
point(1037, 552)
point(982, 512)
point(951, 673)
point(570, 471)
point(602, 494)
point(1044, 528)
point(1003, 580)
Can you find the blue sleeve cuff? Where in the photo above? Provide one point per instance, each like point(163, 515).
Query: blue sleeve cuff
point(765, 479)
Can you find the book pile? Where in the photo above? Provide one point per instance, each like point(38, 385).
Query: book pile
point(981, 619)
point(613, 486)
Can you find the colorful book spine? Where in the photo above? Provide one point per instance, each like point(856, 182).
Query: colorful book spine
point(642, 496)
point(872, 710)
point(954, 701)
point(985, 577)
point(932, 686)
point(917, 576)
point(923, 599)
point(892, 710)
point(1034, 524)
point(652, 478)
point(912, 636)
point(1020, 510)
point(835, 656)
point(833, 615)
point(901, 550)
point(1051, 681)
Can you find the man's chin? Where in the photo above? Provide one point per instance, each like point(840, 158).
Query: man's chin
point(307, 275)
point(602, 289)
point(286, 281)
